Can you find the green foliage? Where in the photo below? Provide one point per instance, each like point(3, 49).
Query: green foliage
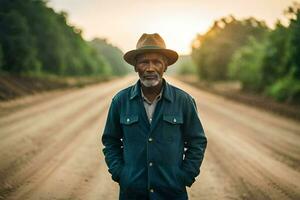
point(286, 88)
point(213, 51)
point(186, 65)
point(113, 56)
point(17, 43)
point(1, 58)
point(272, 65)
point(284, 78)
point(275, 61)
point(295, 38)
point(35, 39)
point(246, 65)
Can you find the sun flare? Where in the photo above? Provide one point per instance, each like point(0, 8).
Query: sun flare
point(178, 32)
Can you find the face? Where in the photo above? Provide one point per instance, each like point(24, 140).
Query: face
point(150, 67)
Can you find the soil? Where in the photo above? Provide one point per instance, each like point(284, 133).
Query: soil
point(234, 92)
point(16, 86)
point(50, 147)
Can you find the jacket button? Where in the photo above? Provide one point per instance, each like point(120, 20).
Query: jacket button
point(150, 139)
point(128, 120)
point(151, 190)
point(150, 164)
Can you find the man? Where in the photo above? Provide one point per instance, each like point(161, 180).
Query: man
point(154, 141)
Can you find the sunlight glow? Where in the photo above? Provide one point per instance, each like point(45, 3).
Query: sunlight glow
point(177, 21)
point(176, 32)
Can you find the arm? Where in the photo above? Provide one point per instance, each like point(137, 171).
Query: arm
point(111, 140)
point(194, 141)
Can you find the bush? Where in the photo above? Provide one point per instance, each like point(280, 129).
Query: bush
point(246, 65)
point(213, 51)
point(285, 89)
point(187, 67)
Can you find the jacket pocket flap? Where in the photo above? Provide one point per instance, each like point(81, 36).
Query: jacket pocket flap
point(127, 120)
point(173, 119)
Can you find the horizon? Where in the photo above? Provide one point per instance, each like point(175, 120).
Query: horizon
point(178, 25)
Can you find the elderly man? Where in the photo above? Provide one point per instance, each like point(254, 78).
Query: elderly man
point(153, 140)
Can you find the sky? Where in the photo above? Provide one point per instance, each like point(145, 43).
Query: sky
point(122, 22)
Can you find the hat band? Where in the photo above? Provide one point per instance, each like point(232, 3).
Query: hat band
point(151, 47)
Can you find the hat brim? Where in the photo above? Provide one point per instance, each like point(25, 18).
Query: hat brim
point(130, 56)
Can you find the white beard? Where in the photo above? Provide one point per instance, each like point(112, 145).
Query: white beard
point(150, 83)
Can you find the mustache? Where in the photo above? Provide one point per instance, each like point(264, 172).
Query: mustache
point(155, 74)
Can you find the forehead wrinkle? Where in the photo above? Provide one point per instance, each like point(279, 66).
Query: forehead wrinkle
point(146, 56)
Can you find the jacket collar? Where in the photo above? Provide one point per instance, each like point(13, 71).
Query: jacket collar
point(167, 92)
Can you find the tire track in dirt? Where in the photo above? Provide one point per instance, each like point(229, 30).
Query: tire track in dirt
point(43, 151)
point(17, 105)
point(56, 104)
point(34, 110)
point(49, 184)
point(66, 148)
point(39, 138)
point(281, 147)
point(261, 116)
point(41, 157)
point(241, 162)
point(98, 185)
point(30, 126)
point(248, 169)
point(81, 170)
point(283, 143)
point(242, 148)
point(51, 111)
point(43, 137)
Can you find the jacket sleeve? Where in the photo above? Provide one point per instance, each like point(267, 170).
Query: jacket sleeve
point(113, 145)
point(195, 143)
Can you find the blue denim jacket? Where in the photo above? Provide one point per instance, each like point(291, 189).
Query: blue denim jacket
point(157, 160)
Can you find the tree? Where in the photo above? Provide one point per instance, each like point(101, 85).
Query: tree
point(112, 54)
point(284, 85)
point(272, 65)
point(246, 65)
point(213, 51)
point(294, 14)
point(19, 51)
point(1, 58)
point(34, 37)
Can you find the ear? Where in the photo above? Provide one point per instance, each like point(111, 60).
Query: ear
point(166, 67)
point(135, 69)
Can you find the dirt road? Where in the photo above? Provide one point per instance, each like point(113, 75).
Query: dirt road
point(50, 148)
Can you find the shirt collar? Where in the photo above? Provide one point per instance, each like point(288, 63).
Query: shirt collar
point(158, 97)
point(166, 92)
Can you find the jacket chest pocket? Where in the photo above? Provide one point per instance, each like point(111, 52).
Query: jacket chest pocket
point(171, 127)
point(130, 126)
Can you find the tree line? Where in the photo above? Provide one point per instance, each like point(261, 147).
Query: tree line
point(34, 39)
point(264, 60)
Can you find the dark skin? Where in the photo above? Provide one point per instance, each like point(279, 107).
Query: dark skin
point(148, 64)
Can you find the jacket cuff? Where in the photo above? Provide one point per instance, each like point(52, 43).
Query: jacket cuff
point(187, 179)
point(116, 175)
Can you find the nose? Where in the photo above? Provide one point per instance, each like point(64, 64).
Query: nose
point(150, 67)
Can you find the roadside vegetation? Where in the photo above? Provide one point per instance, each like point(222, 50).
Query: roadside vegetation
point(35, 40)
point(265, 61)
point(40, 50)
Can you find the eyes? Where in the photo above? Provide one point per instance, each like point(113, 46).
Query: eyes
point(143, 63)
